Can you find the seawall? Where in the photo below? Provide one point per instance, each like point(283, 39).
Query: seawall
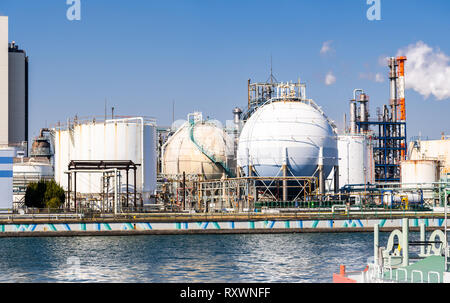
point(142, 226)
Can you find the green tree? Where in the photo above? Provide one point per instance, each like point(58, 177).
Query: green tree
point(54, 195)
point(34, 196)
point(44, 194)
point(53, 203)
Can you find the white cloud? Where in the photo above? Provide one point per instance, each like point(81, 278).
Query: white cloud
point(326, 47)
point(427, 70)
point(330, 78)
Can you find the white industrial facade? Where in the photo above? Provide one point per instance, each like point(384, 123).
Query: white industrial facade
point(6, 178)
point(4, 113)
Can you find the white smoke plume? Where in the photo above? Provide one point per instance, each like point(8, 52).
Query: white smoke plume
point(427, 70)
point(379, 78)
point(372, 77)
point(330, 78)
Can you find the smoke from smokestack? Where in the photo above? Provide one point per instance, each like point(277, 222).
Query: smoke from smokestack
point(427, 70)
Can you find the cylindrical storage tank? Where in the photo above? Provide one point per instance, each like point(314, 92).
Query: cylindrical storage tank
point(33, 170)
point(291, 132)
point(432, 149)
point(200, 148)
point(390, 197)
point(122, 139)
point(356, 162)
point(18, 94)
point(414, 172)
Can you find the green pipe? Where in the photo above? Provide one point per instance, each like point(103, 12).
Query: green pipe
point(210, 157)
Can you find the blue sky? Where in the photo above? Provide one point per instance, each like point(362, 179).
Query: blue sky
point(140, 55)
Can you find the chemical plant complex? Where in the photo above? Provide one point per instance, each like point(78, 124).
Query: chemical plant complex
point(281, 154)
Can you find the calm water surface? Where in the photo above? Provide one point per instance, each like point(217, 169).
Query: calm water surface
point(185, 258)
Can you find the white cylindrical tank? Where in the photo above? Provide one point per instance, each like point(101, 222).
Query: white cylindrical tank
point(419, 171)
point(199, 148)
point(32, 169)
point(121, 139)
point(356, 162)
point(432, 150)
point(390, 197)
point(291, 132)
point(414, 172)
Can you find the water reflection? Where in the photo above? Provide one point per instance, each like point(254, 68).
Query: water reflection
point(194, 258)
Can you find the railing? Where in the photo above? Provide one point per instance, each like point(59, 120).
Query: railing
point(419, 272)
point(431, 273)
point(375, 274)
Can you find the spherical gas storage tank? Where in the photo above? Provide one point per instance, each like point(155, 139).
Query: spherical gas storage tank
point(293, 132)
point(199, 148)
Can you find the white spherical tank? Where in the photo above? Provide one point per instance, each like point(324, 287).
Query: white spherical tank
point(356, 161)
point(121, 139)
point(291, 132)
point(201, 148)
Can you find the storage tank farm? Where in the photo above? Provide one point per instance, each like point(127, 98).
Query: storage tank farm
point(286, 135)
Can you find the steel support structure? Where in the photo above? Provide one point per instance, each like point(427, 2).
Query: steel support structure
point(390, 148)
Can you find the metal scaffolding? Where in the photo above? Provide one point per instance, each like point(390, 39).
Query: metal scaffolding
point(191, 193)
point(110, 170)
point(261, 92)
point(389, 148)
